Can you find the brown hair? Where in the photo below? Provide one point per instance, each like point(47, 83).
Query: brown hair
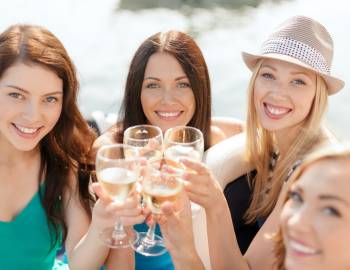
point(189, 56)
point(65, 149)
point(331, 151)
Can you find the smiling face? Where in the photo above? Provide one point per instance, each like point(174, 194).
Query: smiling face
point(30, 105)
point(315, 220)
point(166, 96)
point(283, 94)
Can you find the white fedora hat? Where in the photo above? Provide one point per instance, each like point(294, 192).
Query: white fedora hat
point(302, 41)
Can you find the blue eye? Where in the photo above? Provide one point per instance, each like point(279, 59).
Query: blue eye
point(152, 85)
point(331, 211)
point(184, 85)
point(267, 76)
point(295, 197)
point(299, 82)
point(51, 99)
point(16, 95)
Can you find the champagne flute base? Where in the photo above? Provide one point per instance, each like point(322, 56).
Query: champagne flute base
point(149, 248)
point(113, 239)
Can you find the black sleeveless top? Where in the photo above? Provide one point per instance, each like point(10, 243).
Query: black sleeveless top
point(238, 194)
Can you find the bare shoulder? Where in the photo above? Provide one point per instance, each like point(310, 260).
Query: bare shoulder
point(71, 190)
point(228, 125)
point(77, 219)
point(216, 135)
point(224, 127)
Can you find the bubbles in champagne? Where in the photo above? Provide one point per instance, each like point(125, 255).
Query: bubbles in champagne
point(131, 152)
point(117, 182)
point(157, 193)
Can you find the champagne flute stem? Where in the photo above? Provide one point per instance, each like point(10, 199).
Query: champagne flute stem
point(149, 239)
point(118, 231)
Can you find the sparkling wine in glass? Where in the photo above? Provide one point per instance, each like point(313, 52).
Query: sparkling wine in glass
point(162, 182)
point(117, 176)
point(184, 142)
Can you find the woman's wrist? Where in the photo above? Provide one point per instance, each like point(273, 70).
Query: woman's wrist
point(216, 207)
point(93, 236)
point(186, 259)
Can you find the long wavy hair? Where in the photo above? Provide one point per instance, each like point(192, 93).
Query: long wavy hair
point(261, 144)
point(334, 152)
point(190, 57)
point(65, 149)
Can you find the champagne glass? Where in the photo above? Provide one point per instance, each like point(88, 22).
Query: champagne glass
point(184, 142)
point(162, 182)
point(147, 139)
point(117, 176)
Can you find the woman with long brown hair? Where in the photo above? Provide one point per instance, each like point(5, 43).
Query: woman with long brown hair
point(45, 144)
point(168, 85)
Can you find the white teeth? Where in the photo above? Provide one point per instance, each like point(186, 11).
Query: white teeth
point(169, 114)
point(27, 130)
point(276, 111)
point(301, 248)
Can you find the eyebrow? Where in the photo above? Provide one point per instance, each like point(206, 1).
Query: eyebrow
point(322, 196)
point(268, 66)
point(181, 77)
point(151, 78)
point(308, 76)
point(27, 92)
point(292, 72)
point(333, 198)
point(296, 188)
point(157, 79)
point(299, 72)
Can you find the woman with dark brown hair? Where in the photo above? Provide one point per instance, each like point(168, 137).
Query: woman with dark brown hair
point(168, 85)
point(45, 155)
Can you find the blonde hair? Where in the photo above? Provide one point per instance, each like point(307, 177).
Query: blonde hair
point(261, 144)
point(331, 151)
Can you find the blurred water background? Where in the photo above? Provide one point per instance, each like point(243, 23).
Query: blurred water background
point(102, 36)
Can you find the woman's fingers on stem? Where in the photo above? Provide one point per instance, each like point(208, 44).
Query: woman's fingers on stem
point(101, 194)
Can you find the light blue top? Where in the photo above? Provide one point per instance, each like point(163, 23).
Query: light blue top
point(162, 262)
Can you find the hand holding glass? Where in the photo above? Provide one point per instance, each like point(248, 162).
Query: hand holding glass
point(162, 182)
point(184, 142)
point(117, 176)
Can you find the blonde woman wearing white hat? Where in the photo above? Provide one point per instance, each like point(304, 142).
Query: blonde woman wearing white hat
point(287, 99)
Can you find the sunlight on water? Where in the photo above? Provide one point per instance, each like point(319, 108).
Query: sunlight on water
point(102, 39)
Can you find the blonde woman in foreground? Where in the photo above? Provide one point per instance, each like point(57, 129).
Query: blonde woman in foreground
point(315, 218)
point(314, 222)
